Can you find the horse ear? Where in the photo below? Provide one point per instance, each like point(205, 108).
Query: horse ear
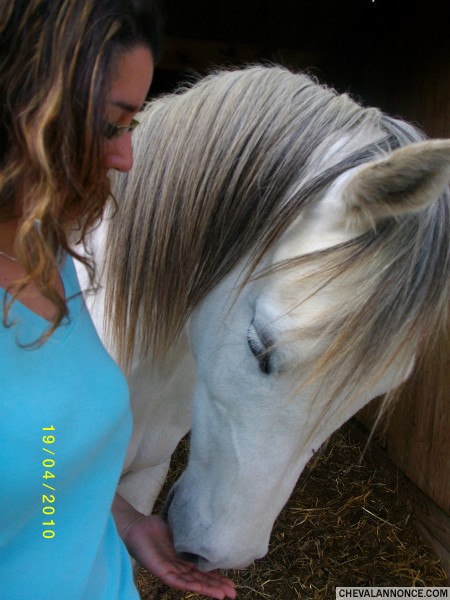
point(407, 180)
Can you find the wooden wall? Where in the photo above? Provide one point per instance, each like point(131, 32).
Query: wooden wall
point(408, 74)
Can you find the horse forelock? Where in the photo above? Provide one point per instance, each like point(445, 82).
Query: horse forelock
point(222, 170)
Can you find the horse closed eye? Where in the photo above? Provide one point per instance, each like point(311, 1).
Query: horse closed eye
point(261, 353)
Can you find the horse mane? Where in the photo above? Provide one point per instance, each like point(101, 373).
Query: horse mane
point(222, 169)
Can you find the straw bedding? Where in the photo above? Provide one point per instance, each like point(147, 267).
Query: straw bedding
point(343, 526)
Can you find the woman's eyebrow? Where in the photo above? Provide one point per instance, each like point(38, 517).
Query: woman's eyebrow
point(132, 108)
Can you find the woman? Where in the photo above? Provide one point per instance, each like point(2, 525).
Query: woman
point(73, 73)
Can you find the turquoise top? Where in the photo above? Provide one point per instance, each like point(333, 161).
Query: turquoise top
point(64, 429)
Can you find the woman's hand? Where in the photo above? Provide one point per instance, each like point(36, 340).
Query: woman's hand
point(149, 541)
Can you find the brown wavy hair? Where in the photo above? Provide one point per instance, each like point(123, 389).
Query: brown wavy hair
point(56, 63)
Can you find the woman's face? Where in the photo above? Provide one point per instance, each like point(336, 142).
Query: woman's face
point(133, 76)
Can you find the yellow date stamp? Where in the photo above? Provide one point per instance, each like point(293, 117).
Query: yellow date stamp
point(48, 499)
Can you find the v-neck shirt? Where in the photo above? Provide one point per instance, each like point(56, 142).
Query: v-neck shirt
point(64, 428)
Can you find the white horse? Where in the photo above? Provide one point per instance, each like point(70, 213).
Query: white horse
point(304, 240)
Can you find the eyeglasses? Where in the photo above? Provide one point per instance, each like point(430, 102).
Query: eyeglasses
point(111, 131)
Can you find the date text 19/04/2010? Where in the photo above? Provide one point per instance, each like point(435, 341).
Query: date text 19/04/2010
point(48, 499)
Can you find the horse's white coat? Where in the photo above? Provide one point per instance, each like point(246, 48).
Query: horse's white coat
point(253, 432)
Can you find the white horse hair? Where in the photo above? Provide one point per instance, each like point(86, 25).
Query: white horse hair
point(302, 243)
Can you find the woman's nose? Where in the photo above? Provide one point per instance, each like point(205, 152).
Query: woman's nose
point(119, 153)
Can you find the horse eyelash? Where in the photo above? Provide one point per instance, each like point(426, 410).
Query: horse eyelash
point(261, 353)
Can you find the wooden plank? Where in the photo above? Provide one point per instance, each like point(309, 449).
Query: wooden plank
point(440, 550)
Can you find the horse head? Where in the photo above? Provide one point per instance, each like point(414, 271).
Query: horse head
point(309, 243)
point(283, 365)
